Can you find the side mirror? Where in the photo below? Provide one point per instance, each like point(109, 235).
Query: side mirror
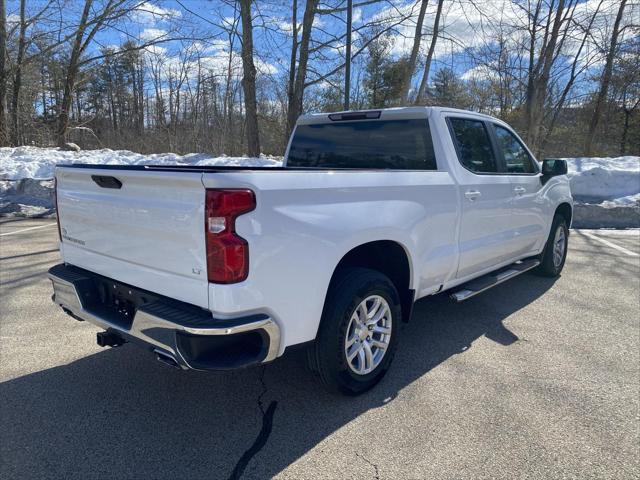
point(552, 167)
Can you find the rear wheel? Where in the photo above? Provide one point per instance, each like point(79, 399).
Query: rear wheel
point(555, 251)
point(358, 332)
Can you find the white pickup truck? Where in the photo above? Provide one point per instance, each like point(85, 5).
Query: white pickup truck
point(225, 267)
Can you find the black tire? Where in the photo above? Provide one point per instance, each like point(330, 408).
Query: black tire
point(326, 356)
point(547, 267)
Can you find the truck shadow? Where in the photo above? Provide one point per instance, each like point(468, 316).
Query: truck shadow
point(120, 414)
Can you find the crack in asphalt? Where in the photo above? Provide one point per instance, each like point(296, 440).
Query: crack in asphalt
point(263, 436)
point(375, 467)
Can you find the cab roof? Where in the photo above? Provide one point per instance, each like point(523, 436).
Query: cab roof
point(396, 113)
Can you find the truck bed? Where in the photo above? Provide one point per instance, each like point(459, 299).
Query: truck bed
point(219, 168)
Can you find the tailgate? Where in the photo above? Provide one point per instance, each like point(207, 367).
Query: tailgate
point(148, 233)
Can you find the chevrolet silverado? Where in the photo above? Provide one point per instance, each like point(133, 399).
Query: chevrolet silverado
point(225, 267)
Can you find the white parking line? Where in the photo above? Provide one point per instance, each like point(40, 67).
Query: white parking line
point(627, 232)
point(26, 229)
point(609, 244)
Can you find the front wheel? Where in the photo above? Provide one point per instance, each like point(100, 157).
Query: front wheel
point(358, 332)
point(555, 251)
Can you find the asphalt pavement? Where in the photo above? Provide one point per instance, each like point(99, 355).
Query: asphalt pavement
point(536, 378)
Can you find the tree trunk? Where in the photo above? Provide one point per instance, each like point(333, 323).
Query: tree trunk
point(70, 80)
point(43, 88)
point(572, 77)
point(347, 59)
point(294, 49)
point(294, 108)
point(427, 66)
point(532, 68)
point(604, 83)
point(625, 131)
point(4, 137)
point(535, 109)
point(80, 44)
point(249, 80)
point(413, 58)
point(17, 79)
point(292, 63)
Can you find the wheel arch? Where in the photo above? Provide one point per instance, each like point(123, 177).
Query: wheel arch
point(389, 258)
point(566, 210)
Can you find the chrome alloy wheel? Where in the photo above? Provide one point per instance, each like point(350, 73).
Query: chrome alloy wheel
point(368, 335)
point(559, 246)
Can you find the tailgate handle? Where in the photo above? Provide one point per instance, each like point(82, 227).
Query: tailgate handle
point(106, 181)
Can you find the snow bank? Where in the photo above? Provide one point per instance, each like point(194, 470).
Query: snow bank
point(606, 190)
point(26, 188)
point(39, 163)
point(26, 197)
point(594, 180)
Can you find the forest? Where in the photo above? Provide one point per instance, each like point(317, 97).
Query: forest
point(230, 77)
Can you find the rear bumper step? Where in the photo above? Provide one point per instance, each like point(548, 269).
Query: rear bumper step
point(172, 330)
point(480, 284)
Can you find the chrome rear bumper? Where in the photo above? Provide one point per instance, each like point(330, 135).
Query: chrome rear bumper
point(188, 335)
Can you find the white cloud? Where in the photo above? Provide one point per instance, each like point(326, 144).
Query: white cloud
point(471, 24)
point(151, 34)
point(13, 19)
point(150, 13)
point(265, 68)
point(212, 58)
point(156, 51)
point(318, 22)
point(285, 26)
point(480, 72)
point(357, 15)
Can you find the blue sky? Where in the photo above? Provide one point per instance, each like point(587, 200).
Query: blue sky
point(466, 27)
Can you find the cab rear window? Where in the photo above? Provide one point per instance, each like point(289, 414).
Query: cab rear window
point(376, 144)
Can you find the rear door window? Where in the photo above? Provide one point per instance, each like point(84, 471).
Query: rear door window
point(516, 157)
point(375, 144)
point(473, 145)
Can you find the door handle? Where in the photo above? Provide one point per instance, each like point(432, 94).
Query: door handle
point(520, 190)
point(472, 195)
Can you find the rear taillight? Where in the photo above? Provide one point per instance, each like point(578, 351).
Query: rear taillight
point(227, 252)
point(55, 198)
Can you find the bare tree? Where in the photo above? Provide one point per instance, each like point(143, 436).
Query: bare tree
point(249, 80)
point(85, 32)
point(605, 81)
point(294, 51)
point(578, 66)
point(427, 65)
point(17, 79)
point(294, 107)
point(192, 96)
point(4, 137)
point(415, 50)
point(540, 68)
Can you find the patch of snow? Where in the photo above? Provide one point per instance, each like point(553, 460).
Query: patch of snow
point(594, 180)
point(27, 197)
point(629, 200)
point(606, 190)
point(38, 163)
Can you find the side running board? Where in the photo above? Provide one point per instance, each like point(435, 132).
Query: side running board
point(480, 284)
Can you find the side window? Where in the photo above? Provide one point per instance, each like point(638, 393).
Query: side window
point(516, 157)
point(473, 145)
